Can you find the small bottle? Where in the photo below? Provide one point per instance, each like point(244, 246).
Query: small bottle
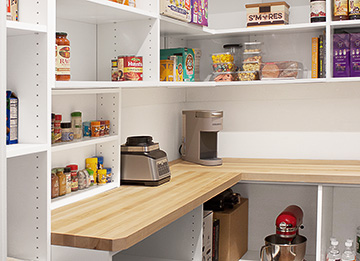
point(354, 9)
point(317, 11)
point(358, 243)
point(333, 253)
point(57, 128)
point(341, 10)
point(67, 133)
point(348, 254)
point(62, 181)
point(76, 124)
point(67, 172)
point(62, 70)
point(54, 184)
point(74, 178)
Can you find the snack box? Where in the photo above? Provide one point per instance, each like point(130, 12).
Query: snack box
point(281, 70)
point(199, 12)
point(274, 13)
point(179, 9)
point(167, 70)
point(12, 10)
point(341, 55)
point(355, 55)
point(12, 114)
point(185, 62)
point(130, 68)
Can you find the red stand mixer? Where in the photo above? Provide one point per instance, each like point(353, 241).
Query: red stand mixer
point(286, 244)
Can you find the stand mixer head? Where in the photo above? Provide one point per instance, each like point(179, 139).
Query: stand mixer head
point(289, 221)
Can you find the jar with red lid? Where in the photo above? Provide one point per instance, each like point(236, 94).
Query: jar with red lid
point(74, 177)
point(62, 70)
point(317, 11)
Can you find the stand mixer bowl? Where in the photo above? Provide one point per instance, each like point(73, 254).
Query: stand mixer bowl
point(280, 249)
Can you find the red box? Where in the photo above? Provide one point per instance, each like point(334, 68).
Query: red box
point(130, 68)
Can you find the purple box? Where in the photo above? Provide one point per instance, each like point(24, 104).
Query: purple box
point(341, 55)
point(355, 55)
point(199, 12)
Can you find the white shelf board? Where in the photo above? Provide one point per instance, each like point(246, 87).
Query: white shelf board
point(15, 28)
point(345, 24)
point(254, 255)
point(82, 143)
point(101, 84)
point(83, 91)
point(344, 79)
point(15, 150)
point(173, 27)
point(99, 11)
point(80, 194)
point(271, 82)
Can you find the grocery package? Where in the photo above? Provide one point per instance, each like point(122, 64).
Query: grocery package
point(252, 56)
point(130, 68)
point(247, 75)
point(341, 55)
point(185, 62)
point(179, 9)
point(281, 70)
point(125, 2)
point(12, 118)
point(199, 12)
point(62, 50)
point(223, 77)
point(197, 52)
point(355, 55)
point(274, 13)
point(167, 70)
point(12, 10)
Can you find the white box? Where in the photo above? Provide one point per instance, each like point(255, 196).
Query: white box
point(177, 9)
point(207, 235)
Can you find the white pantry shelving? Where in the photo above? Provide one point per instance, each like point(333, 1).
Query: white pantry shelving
point(100, 30)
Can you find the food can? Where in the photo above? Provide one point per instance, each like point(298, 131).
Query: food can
point(95, 129)
point(87, 129)
point(107, 128)
point(102, 128)
point(102, 176)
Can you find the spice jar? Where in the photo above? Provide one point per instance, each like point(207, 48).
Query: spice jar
point(317, 11)
point(74, 178)
point(86, 129)
point(341, 11)
point(95, 129)
point(54, 184)
point(62, 70)
point(57, 128)
point(67, 133)
point(62, 181)
point(354, 9)
point(76, 124)
point(67, 172)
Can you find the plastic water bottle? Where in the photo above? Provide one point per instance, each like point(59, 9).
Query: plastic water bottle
point(348, 254)
point(333, 253)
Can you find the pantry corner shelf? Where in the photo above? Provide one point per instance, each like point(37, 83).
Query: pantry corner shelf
point(82, 143)
point(81, 194)
point(345, 24)
point(174, 27)
point(16, 28)
point(16, 150)
point(100, 11)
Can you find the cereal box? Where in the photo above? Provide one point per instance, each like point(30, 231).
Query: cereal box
point(130, 68)
point(167, 70)
point(179, 9)
point(185, 65)
point(12, 104)
point(12, 10)
point(355, 55)
point(341, 55)
point(199, 12)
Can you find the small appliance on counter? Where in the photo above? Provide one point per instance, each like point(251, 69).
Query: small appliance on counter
point(286, 244)
point(143, 163)
point(199, 137)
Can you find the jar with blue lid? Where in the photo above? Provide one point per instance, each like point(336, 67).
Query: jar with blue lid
point(67, 133)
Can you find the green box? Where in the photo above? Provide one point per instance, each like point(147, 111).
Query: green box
point(185, 68)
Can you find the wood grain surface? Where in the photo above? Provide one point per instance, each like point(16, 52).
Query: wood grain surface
point(117, 219)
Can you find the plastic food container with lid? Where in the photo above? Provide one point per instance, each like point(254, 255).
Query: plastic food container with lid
point(281, 70)
point(223, 77)
point(247, 75)
point(224, 67)
point(225, 57)
point(251, 47)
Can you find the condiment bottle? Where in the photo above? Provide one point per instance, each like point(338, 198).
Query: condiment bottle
point(317, 11)
point(57, 128)
point(62, 72)
point(67, 133)
point(76, 124)
point(54, 184)
point(354, 9)
point(67, 172)
point(95, 129)
point(74, 178)
point(62, 181)
point(341, 11)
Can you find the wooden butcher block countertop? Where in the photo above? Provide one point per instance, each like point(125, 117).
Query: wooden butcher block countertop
point(116, 220)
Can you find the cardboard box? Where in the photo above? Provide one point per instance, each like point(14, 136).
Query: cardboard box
point(314, 57)
point(341, 55)
point(199, 12)
point(267, 13)
point(179, 9)
point(12, 10)
point(207, 235)
point(167, 70)
point(12, 113)
point(355, 55)
point(233, 240)
point(185, 65)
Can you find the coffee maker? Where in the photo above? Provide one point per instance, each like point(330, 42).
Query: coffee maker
point(199, 136)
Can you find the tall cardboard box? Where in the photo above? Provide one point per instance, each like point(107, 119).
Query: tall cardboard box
point(207, 235)
point(233, 240)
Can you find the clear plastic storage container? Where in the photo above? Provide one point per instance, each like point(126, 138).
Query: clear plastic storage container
point(281, 70)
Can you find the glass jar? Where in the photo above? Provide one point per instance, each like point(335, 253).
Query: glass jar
point(340, 10)
point(354, 9)
point(67, 172)
point(76, 124)
point(62, 70)
point(74, 177)
point(62, 181)
point(317, 11)
point(67, 133)
point(54, 184)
